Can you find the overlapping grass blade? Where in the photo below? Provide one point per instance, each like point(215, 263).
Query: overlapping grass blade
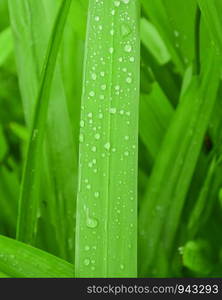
point(155, 115)
point(212, 11)
point(106, 237)
point(23, 261)
point(6, 45)
point(172, 173)
point(28, 203)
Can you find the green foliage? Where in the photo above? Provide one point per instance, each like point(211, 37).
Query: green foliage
point(92, 154)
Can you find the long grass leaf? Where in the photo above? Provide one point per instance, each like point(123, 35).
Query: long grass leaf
point(19, 260)
point(28, 203)
point(173, 171)
point(106, 237)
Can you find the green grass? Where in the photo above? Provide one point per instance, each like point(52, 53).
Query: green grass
point(110, 138)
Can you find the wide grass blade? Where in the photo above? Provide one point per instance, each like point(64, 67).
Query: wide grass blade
point(106, 237)
point(28, 203)
point(19, 260)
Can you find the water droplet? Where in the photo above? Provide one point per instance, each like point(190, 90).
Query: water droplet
point(97, 18)
point(82, 123)
point(102, 74)
point(87, 248)
point(117, 87)
point(132, 59)
point(112, 32)
point(97, 136)
point(112, 110)
point(101, 97)
point(111, 50)
point(176, 33)
point(126, 137)
point(94, 149)
point(90, 115)
point(88, 186)
point(126, 153)
point(121, 266)
point(86, 262)
point(96, 194)
point(81, 137)
point(128, 48)
point(94, 76)
point(125, 30)
point(117, 3)
point(129, 80)
point(35, 133)
point(91, 222)
point(103, 87)
point(107, 146)
point(92, 93)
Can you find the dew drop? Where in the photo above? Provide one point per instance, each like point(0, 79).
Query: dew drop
point(94, 149)
point(81, 137)
point(103, 87)
point(87, 248)
point(94, 76)
point(90, 115)
point(96, 194)
point(86, 262)
point(128, 48)
point(111, 50)
point(112, 110)
point(88, 186)
point(176, 33)
point(97, 18)
point(129, 80)
point(102, 74)
point(132, 59)
point(121, 266)
point(117, 3)
point(92, 93)
point(91, 222)
point(82, 123)
point(97, 136)
point(125, 30)
point(107, 146)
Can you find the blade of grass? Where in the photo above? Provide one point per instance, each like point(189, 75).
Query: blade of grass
point(28, 203)
point(6, 45)
point(152, 40)
point(172, 173)
point(19, 260)
point(212, 11)
point(155, 115)
point(32, 24)
point(106, 234)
